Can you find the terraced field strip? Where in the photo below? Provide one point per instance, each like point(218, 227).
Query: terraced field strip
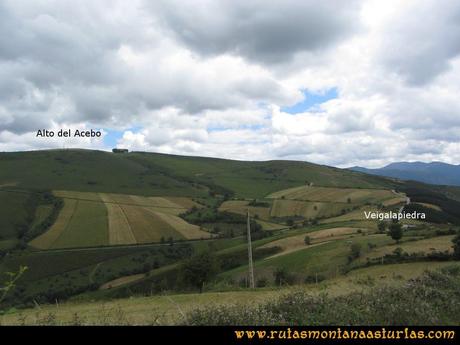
point(147, 227)
point(434, 207)
point(184, 202)
point(159, 203)
point(122, 281)
point(398, 272)
point(353, 215)
point(269, 226)
point(295, 243)
point(394, 201)
point(441, 243)
point(241, 207)
point(119, 229)
point(172, 205)
point(9, 184)
point(88, 226)
point(84, 196)
point(189, 231)
point(46, 240)
point(329, 194)
point(307, 209)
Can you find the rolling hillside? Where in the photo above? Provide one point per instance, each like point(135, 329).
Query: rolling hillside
point(93, 225)
point(159, 174)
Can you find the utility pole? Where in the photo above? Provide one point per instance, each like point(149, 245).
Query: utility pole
point(251, 266)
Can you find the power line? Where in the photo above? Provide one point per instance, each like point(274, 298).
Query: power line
point(251, 266)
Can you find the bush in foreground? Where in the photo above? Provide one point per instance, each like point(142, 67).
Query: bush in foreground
point(432, 299)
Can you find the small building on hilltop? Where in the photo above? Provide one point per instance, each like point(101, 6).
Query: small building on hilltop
point(115, 150)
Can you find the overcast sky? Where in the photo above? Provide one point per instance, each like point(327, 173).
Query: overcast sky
point(333, 82)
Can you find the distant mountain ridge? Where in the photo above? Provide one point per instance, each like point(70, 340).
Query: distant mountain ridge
point(435, 172)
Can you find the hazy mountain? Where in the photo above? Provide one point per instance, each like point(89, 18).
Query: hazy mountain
point(434, 172)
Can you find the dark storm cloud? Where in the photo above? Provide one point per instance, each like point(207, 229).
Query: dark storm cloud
point(262, 31)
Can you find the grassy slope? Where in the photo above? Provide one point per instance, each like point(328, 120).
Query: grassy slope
point(155, 175)
point(87, 171)
point(308, 193)
point(171, 309)
point(163, 175)
point(257, 179)
point(11, 213)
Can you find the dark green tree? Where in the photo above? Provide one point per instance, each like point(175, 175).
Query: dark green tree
point(382, 227)
point(283, 277)
point(396, 231)
point(355, 250)
point(456, 242)
point(199, 269)
point(307, 240)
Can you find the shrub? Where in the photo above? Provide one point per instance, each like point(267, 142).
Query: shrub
point(262, 282)
point(355, 250)
point(456, 242)
point(396, 231)
point(283, 277)
point(435, 293)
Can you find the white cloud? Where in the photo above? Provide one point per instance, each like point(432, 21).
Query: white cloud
point(210, 77)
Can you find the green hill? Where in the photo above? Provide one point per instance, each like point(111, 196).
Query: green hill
point(94, 225)
point(159, 174)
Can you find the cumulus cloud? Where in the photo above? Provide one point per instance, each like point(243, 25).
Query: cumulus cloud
point(211, 78)
point(262, 31)
point(419, 41)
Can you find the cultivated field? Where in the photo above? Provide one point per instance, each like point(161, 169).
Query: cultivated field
point(269, 226)
point(122, 281)
point(87, 227)
point(353, 215)
point(188, 231)
point(241, 207)
point(98, 219)
point(307, 209)
point(328, 194)
point(434, 207)
point(441, 243)
point(119, 229)
point(294, 243)
point(47, 240)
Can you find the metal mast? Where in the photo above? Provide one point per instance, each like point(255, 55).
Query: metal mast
point(251, 266)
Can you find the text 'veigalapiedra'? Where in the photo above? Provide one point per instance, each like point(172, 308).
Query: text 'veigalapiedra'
point(393, 215)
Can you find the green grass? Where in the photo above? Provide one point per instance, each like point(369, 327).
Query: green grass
point(307, 209)
point(7, 244)
point(170, 309)
point(88, 171)
point(256, 179)
point(12, 213)
point(420, 302)
point(149, 174)
point(46, 263)
point(326, 259)
point(41, 213)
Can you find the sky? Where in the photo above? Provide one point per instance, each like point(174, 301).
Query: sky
point(335, 82)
